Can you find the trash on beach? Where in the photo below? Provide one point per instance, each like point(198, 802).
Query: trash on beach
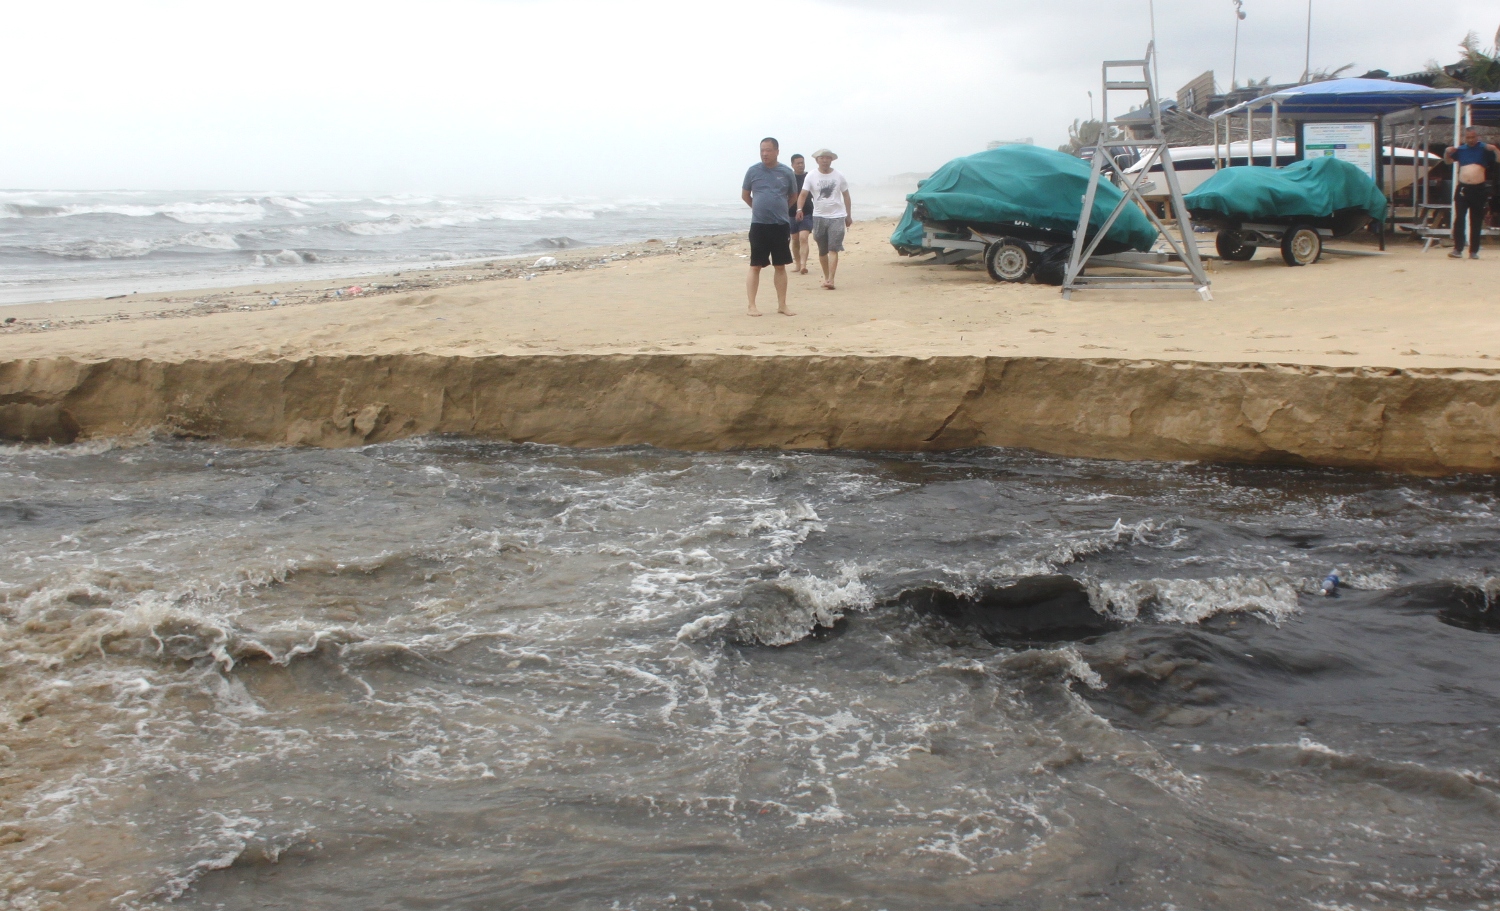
point(544, 262)
point(354, 291)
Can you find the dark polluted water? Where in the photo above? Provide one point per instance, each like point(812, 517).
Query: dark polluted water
point(444, 674)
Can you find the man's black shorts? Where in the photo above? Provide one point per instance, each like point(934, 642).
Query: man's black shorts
point(770, 245)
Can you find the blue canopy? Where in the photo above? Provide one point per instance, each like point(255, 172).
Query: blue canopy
point(1486, 108)
point(1335, 98)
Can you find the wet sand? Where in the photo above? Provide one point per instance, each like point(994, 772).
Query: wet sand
point(1411, 324)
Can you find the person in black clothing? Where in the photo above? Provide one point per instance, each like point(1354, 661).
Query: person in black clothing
point(801, 230)
point(1471, 199)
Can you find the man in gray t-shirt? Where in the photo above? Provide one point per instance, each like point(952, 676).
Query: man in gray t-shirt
point(769, 190)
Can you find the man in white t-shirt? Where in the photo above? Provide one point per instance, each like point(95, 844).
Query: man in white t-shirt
point(826, 192)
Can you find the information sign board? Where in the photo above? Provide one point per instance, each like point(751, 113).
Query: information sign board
point(1351, 142)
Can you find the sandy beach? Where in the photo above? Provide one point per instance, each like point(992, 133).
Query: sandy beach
point(1372, 361)
point(1405, 309)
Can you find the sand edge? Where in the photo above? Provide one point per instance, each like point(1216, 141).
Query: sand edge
point(1421, 421)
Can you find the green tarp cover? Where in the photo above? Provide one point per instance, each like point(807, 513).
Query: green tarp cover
point(1314, 188)
point(1027, 185)
point(907, 238)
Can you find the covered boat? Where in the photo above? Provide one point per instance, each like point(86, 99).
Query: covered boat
point(1297, 205)
point(1326, 190)
point(1023, 192)
point(909, 236)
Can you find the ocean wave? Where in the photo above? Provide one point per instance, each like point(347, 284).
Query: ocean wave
point(400, 223)
point(1028, 610)
point(784, 610)
point(213, 213)
point(210, 240)
point(285, 258)
point(1195, 600)
point(99, 248)
point(133, 247)
point(392, 225)
point(1394, 775)
point(193, 213)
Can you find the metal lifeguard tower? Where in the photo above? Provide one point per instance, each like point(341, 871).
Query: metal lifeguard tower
point(1165, 273)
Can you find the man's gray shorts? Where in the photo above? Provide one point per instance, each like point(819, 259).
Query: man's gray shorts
point(829, 233)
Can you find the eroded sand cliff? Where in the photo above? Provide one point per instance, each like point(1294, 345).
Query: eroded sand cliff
point(1432, 421)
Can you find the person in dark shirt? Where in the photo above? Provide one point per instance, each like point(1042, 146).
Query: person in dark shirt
point(1470, 192)
point(801, 230)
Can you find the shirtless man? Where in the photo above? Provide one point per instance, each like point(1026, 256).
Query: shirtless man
point(1471, 192)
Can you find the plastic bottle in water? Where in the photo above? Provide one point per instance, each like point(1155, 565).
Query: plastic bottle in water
point(1330, 585)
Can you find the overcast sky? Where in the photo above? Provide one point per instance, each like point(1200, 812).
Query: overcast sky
point(655, 98)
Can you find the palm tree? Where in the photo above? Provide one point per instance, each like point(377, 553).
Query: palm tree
point(1477, 69)
point(1081, 134)
point(1324, 75)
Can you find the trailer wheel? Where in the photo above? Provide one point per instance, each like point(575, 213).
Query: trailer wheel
point(1233, 246)
point(1052, 265)
point(1009, 260)
point(1301, 246)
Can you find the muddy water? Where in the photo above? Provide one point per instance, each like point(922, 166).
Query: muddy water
point(452, 675)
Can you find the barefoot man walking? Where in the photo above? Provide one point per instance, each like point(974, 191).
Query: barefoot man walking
point(801, 227)
point(770, 189)
point(826, 192)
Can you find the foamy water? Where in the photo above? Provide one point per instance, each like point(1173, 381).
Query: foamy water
point(62, 244)
point(462, 675)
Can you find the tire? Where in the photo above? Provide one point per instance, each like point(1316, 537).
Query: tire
point(1009, 260)
point(1301, 246)
point(1232, 246)
point(1052, 266)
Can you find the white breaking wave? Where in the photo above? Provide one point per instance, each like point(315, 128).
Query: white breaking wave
point(284, 258)
point(210, 240)
point(100, 248)
point(214, 213)
point(1195, 600)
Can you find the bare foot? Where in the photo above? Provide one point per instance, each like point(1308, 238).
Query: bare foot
point(828, 286)
point(786, 312)
point(804, 271)
point(754, 313)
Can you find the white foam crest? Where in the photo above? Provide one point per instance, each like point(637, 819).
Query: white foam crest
point(787, 609)
point(284, 258)
point(222, 839)
point(1485, 583)
point(393, 225)
point(404, 199)
point(287, 202)
point(100, 248)
point(435, 762)
point(84, 209)
point(211, 240)
point(1195, 600)
point(705, 625)
point(1375, 580)
point(208, 213)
